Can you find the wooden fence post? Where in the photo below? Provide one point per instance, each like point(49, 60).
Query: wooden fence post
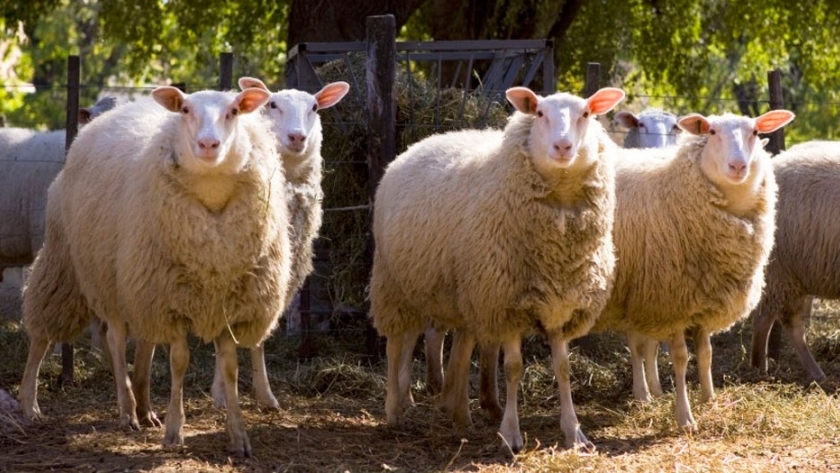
point(381, 114)
point(549, 74)
point(225, 71)
point(593, 79)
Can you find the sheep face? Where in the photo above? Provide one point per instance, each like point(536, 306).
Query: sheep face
point(561, 122)
point(653, 128)
point(728, 157)
point(209, 121)
point(294, 113)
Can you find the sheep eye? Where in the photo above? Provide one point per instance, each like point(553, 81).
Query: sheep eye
point(185, 110)
point(755, 132)
point(641, 125)
point(539, 113)
point(585, 114)
point(272, 105)
point(712, 132)
point(234, 112)
point(315, 108)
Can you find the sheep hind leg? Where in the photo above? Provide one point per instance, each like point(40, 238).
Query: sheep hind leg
point(652, 367)
point(795, 325)
point(568, 418)
point(38, 347)
point(638, 360)
point(434, 360)
point(763, 320)
point(259, 375)
point(218, 388)
point(179, 360)
point(509, 429)
point(116, 337)
point(488, 367)
point(455, 398)
point(682, 408)
point(144, 352)
point(398, 350)
point(703, 345)
point(226, 357)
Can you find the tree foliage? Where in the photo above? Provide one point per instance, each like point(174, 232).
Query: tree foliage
point(708, 56)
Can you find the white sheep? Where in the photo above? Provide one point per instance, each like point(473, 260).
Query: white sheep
point(693, 233)
point(653, 128)
point(803, 262)
point(29, 161)
point(168, 219)
point(494, 234)
point(297, 127)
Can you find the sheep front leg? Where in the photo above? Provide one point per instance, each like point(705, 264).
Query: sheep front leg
point(259, 375)
point(226, 357)
point(434, 360)
point(38, 347)
point(511, 435)
point(144, 352)
point(179, 360)
point(679, 358)
point(562, 371)
point(117, 334)
point(455, 399)
point(703, 345)
point(488, 369)
point(637, 343)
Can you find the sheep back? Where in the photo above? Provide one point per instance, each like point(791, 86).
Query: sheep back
point(147, 251)
point(807, 225)
point(468, 236)
point(683, 260)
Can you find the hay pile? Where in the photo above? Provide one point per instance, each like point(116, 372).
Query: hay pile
point(422, 109)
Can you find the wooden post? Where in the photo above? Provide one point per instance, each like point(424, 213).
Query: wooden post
point(549, 74)
point(73, 82)
point(71, 130)
point(381, 114)
point(593, 79)
point(225, 71)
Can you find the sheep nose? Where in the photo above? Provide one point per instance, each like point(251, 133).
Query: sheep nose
point(563, 145)
point(738, 167)
point(208, 143)
point(297, 137)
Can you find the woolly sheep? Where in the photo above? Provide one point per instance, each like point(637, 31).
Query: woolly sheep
point(653, 128)
point(803, 262)
point(494, 234)
point(29, 161)
point(297, 127)
point(168, 219)
point(693, 232)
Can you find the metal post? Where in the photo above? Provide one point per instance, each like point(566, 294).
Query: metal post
point(225, 71)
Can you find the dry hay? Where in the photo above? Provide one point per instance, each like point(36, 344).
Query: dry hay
point(421, 110)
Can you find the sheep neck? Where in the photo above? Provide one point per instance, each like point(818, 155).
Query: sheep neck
point(214, 191)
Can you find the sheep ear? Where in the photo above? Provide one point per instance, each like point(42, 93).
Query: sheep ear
point(171, 98)
point(773, 120)
point(331, 94)
point(248, 82)
point(604, 100)
point(695, 124)
point(523, 99)
point(84, 115)
point(764, 142)
point(627, 119)
point(251, 99)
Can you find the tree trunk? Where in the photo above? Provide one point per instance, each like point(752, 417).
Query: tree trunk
point(341, 20)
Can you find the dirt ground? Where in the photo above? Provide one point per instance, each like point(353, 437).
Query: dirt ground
point(332, 417)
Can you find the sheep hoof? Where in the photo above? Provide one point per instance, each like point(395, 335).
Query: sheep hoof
point(580, 442)
point(130, 422)
point(240, 446)
point(149, 419)
point(173, 439)
point(512, 445)
point(689, 428)
point(268, 403)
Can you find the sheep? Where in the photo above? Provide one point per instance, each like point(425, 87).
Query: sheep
point(29, 161)
point(653, 128)
point(169, 218)
point(297, 127)
point(693, 233)
point(493, 234)
point(802, 264)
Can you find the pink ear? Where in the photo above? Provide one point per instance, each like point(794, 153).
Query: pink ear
point(171, 98)
point(523, 99)
point(627, 119)
point(695, 124)
point(248, 82)
point(773, 120)
point(604, 100)
point(331, 94)
point(251, 99)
